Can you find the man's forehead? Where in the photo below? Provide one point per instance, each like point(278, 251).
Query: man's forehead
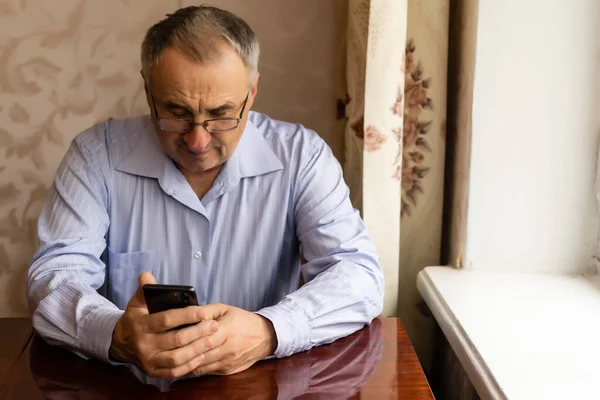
point(209, 99)
point(175, 72)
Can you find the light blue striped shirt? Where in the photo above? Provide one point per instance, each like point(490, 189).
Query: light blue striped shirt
point(120, 206)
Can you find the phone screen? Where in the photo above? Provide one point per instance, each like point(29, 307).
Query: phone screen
point(167, 297)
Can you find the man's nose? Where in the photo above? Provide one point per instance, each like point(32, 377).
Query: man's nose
point(197, 139)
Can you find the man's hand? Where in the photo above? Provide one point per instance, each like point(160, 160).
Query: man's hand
point(149, 341)
point(242, 339)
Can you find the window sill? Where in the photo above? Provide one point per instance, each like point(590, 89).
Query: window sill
point(519, 335)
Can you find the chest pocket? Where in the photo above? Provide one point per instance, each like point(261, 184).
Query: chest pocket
point(123, 270)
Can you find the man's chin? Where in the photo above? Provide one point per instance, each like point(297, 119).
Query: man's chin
point(201, 166)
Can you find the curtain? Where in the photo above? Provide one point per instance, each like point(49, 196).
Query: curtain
point(373, 153)
point(395, 143)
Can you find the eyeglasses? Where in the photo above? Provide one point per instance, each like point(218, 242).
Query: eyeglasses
point(216, 125)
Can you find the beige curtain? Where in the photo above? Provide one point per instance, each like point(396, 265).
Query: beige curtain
point(377, 31)
point(395, 143)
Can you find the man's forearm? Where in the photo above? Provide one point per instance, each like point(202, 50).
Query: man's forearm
point(72, 315)
point(336, 303)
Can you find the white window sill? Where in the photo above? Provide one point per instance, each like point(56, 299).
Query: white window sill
point(519, 335)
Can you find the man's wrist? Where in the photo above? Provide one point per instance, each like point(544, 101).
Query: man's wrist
point(270, 336)
point(291, 327)
point(114, 354)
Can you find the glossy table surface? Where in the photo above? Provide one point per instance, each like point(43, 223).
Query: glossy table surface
point(14, 335)
point(375, 362)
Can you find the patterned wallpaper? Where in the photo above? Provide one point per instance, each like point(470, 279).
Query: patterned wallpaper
point(65, 65)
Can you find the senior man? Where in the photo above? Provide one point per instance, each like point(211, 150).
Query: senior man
point(201, 192)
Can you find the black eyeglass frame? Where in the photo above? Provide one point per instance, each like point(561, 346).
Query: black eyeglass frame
point(192, 124)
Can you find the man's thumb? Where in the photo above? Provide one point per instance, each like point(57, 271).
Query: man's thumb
point(138, 299)
point(146, 278)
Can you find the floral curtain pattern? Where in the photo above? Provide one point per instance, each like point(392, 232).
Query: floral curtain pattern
point(65, 65)
point(395, 143)
point(424, 155)
point(358, 34)
point(414, 167)
point(373, 152)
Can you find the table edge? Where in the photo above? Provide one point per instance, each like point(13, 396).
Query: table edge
point(16, 362)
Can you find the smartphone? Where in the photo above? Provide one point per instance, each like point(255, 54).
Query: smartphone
point(167, 297)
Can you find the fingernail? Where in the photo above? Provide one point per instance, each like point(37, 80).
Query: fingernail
point(213, 326)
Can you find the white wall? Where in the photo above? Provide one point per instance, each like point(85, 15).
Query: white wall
point(531, 201)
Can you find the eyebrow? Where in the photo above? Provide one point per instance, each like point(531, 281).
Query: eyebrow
point(169, 104)
point(222, 108)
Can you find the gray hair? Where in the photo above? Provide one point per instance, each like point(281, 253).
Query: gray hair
point(196, 31)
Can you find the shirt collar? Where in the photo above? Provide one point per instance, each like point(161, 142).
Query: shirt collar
point(146, 158)
point(252, 157)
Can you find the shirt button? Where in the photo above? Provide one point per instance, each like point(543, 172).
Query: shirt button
point(197, 254)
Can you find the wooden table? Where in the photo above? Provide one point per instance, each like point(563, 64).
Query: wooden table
point(375, 362)
point(14, 336)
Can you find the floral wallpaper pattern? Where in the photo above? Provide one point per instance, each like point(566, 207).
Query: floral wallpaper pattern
point(55, 80)
point(65, 65)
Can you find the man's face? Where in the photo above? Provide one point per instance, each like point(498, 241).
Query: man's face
point(183, 89)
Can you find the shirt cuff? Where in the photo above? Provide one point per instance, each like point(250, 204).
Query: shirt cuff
point(291, 328)
point(97, 332)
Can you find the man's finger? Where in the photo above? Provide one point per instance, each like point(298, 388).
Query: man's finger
point(138, 299)
point(214, 368)
point(216, 354)
point(213, 311)
point(177, 372)
point(182, 355)
point(175, 339)
point(219, 367)
point(170, 319)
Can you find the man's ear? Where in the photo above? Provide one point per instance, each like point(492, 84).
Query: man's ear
point(254, 88)
point(146, 89)
point(148, 96)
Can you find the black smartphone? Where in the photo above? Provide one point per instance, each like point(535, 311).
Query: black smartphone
point(166, 297)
